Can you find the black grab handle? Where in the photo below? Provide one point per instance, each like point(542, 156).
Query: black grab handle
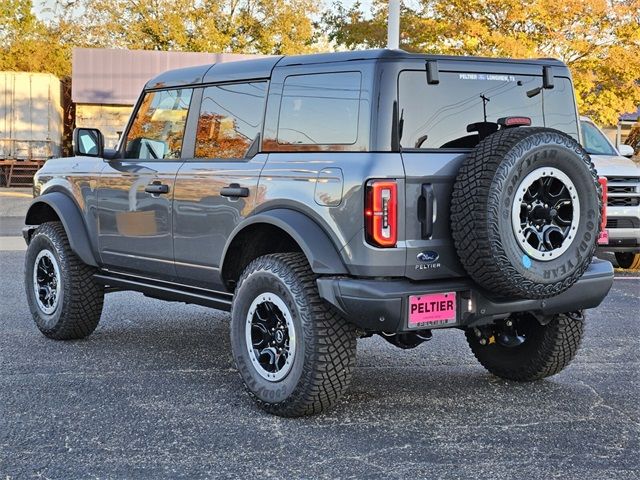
point(234, 190)
point(426, 207)
point(157, 188)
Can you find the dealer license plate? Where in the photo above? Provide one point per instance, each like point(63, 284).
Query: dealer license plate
point(432, 310)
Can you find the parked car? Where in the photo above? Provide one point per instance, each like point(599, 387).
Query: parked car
point(330, 197)
point(623, 193)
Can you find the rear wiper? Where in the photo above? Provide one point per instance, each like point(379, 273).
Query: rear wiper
point(534, 92)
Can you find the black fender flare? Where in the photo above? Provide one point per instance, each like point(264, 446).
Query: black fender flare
point(72, 221)
point(314, 242)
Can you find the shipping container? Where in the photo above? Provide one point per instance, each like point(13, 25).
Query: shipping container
point(31, 118)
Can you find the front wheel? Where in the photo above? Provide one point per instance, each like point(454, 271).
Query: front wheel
point(64, 299)
point(294, 353)
point(522, 349)
point(628, 260)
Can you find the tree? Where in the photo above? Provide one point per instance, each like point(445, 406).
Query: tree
point(28, 44)
point(598, 39)
point(238, 26)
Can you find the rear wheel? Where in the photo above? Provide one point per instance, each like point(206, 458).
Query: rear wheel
point(522, 349)
point(65, 301)
point(628, 260)
point(294, 353)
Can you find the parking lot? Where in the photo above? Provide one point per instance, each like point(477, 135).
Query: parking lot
point(153, 393)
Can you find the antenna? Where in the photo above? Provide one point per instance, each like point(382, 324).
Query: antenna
point(393, 25)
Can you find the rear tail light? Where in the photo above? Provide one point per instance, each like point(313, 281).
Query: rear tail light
point(603, 239)
point(381, 213)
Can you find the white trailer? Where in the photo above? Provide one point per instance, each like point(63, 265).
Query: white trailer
point(31, 116)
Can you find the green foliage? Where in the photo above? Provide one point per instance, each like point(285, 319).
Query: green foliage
point(29, 44)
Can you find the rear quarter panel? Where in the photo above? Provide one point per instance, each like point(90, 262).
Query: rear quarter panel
point(293, 180)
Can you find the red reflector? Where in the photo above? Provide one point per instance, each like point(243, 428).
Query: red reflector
point(603, 239)
point(381, 212)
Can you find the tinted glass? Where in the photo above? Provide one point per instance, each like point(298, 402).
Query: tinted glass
point(451, 113)
point(320, 109)
point(594, 141)
point(560, 107)
point(230, 119)
point(158, 128)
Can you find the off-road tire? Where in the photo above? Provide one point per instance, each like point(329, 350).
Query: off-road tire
point(481, 212)
point(547, 349)
point(326, 351)
point(628, 260)
point(80, 305)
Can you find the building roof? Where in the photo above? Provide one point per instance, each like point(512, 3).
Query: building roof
point(631, 117)
point(116, 77)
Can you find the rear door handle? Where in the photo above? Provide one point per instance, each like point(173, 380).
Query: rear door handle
point(426, 210)
point(157, 188)
point(234, 190)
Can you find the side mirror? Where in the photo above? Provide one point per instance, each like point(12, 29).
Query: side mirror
point(88, 142)
point(626, 150)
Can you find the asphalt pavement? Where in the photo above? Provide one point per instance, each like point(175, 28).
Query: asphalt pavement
point(153, 393)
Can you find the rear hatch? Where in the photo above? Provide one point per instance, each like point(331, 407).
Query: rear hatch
point(439, 126)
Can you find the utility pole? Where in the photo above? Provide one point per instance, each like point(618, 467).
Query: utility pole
point(393, 25)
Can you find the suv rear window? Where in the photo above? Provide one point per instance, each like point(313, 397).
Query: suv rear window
point(320, 109)
point(437, 116)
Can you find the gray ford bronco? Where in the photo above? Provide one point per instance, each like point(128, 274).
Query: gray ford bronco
point(330, 197)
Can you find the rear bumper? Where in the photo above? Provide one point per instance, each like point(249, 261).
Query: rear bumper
point(381, 305)
point(622, 240)
point(623, 225)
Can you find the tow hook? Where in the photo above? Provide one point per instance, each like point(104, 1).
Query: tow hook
point(408, 339)
point(504, 334)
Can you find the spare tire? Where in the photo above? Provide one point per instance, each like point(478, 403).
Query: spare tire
point(525, 212)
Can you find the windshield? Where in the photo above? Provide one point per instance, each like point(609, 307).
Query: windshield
point(594, 141)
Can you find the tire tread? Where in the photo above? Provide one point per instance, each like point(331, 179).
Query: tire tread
point(474, 206)
point(329, 366)
point(558, 346)
point(83, 300)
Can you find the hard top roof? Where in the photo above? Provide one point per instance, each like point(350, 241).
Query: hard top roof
point(262, 67)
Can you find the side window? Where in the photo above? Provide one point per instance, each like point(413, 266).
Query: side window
point(230, 119)
point(560, 107)
point(320, 109)
point(158, 128)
